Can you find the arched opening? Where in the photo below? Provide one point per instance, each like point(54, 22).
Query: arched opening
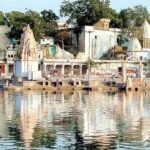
point(11, 68)
point(67, 70)
point(59, 69)
point(49, 68)
point(133, 58)
point(76, 69)
point(84, 69)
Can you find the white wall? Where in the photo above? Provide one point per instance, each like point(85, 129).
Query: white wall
point(23, 67)
point(144, 55)
point(97, 42)
point(11, 55)
point(47, 41)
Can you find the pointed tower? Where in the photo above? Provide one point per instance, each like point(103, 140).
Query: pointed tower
point(28, 49)
point(134, 48)
point(27, 63)
point(146, 35)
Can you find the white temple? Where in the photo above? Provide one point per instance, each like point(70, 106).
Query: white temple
point(27, 63)
point(146, 29)
point(134, 48)
point(134, 45)
point(140, 47)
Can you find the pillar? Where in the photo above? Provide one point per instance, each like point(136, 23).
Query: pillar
point(45, 68)
point(62, 69)
point(72, 71)
point(54, 66)
point(80, 69)
point(6, 68)
point(141, 71)
point(124, 72)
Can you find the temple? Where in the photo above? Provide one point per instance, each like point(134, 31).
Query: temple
point(98, 55)
point(26, 64)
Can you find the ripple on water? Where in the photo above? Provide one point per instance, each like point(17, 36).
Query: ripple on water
point(80, 120)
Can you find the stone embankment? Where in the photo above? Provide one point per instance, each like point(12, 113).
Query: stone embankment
point(74, 85)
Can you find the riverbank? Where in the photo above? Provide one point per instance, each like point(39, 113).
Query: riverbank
point(134, 84)
point(92, 85)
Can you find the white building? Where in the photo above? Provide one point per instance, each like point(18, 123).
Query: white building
point(135, 49)
point(47, 41)
point(97, 40)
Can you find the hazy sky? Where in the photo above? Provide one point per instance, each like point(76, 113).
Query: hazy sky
point(38, 5)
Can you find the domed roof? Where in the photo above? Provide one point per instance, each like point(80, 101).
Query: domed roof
point(134, 45)
point(146, 29)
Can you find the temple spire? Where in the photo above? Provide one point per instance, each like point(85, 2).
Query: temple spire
point(28, 49)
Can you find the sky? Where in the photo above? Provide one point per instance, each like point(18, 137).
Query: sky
point(39, 5)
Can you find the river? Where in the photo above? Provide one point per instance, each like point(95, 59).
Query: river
point(74, 121)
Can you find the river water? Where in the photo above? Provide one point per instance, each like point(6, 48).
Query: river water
point(74, 121)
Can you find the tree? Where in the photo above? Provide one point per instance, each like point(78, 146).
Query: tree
point(2, 19)
point(15, 20)
point(49, 16)
point(35, 20)
point(42, 24)
point(125, 16)
point(87, 12)
point(131, 17)
point(49, 22)
point(140, 14)
point(12, 16)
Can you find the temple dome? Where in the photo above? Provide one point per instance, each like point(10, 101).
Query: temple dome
point(134, 45)
point(146, 29)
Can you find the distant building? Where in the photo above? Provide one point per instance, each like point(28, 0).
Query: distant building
point(62, 25)
point(47, 41)
point(7, 57)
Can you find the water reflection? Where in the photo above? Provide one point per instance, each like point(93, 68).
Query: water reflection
point(75, 120)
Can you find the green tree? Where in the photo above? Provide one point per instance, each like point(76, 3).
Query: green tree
point(42, 24)
point(87, 12)
point(15, 20)
point(12, 16)
point(126, 17)
point(2, 18)
point(133, 17)
point(49, 22)
point(35, 20)
point(140, 14)
point(17, 24)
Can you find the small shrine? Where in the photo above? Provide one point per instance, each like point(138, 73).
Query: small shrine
point(26, 64)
